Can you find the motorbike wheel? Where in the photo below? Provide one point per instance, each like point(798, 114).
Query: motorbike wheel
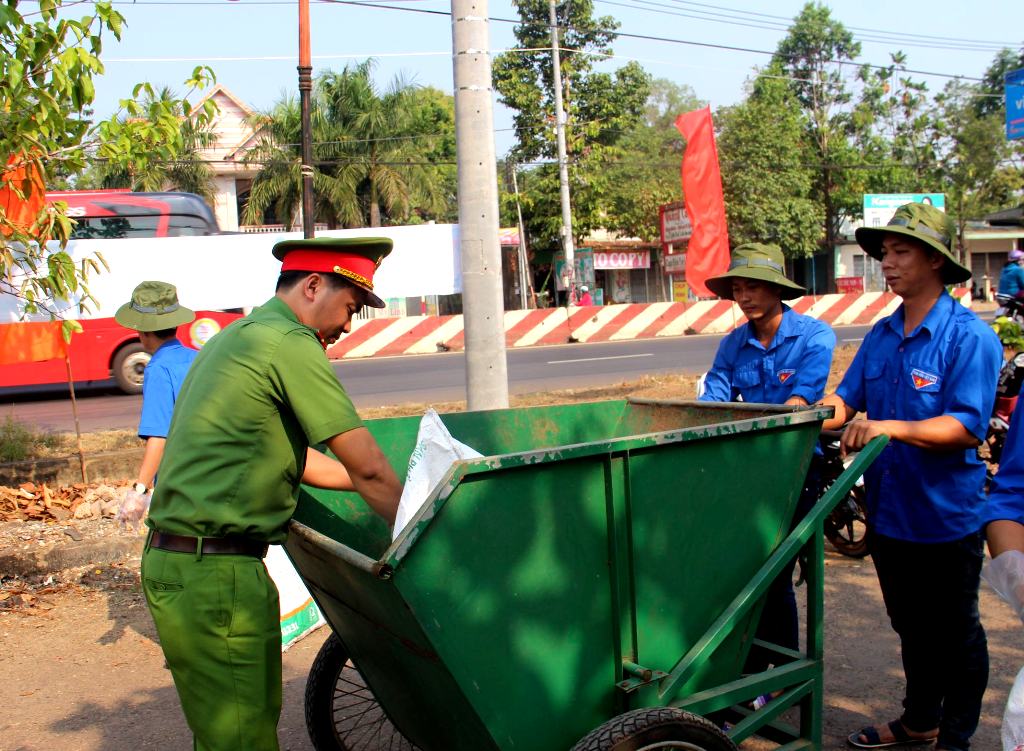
point(342, 713)
point(846, 527)
point(660, 728)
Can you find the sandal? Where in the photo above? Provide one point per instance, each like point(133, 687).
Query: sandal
point(899, 733)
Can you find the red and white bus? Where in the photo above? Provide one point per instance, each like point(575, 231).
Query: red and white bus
point(105, 350)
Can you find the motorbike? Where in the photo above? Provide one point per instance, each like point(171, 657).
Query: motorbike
point(846, 528)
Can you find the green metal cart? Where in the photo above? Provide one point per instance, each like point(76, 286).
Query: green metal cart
point(594, 581)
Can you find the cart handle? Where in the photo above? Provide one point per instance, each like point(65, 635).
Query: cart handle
point(762, 580)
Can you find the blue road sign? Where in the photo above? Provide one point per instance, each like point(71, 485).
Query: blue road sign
point(1014, 83)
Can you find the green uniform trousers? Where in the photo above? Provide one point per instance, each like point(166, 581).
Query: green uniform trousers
point(219, 625)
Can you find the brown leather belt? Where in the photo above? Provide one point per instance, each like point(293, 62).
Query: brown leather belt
point(211, 545)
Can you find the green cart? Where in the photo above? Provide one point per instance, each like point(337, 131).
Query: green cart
point(593, 582)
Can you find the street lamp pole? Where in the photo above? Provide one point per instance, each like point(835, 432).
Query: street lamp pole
point(305, 93)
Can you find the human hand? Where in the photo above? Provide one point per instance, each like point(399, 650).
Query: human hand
point(859, 434)
point(134, 506)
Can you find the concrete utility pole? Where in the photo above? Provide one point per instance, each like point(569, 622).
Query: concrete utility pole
point(563, 166)
point(482, 305)
point(305, 91)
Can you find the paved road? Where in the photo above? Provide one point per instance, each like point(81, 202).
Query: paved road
point(374, 382)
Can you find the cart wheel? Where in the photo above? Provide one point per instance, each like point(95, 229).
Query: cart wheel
point(128, 367)
point(341, 711)
point(846, 527)
point(659, 728)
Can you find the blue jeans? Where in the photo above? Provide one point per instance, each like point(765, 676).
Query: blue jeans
point(931, 596)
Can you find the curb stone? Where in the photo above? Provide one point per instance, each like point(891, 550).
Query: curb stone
point(108, 465)
point(50, 560)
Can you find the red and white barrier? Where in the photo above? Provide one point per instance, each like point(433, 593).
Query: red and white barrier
point(524, 328)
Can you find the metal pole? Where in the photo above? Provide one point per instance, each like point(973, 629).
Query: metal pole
point(523, 261)
point(563, 167)
point(483, 308)
point(305, 92)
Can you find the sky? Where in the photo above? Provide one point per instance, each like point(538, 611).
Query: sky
point(252, 45)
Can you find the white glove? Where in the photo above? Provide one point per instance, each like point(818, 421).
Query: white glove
point(134, 506)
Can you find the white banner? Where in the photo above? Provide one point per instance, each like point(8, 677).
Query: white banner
point(238, 271)
point(605, 259)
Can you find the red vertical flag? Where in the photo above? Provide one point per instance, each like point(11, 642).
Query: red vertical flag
point(707, 252)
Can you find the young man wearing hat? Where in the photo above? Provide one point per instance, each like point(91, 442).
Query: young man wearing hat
point(777, 357)
point(926, 377)
point(155, 313)
point(258, 396)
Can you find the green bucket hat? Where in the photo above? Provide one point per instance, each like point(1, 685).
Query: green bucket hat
point(759, 261)
point(925, 224)
point(153, 307)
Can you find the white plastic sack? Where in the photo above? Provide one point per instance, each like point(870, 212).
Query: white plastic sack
point(1013, 717)
point(1005, 574)
point(299, 614)
point(433, 456)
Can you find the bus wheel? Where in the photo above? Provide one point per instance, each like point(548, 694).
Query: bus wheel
point(129, 365)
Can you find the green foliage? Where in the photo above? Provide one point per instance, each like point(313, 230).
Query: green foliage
point(47, 67)
point(769, 193)
point(1010, 333)
point(379, 157)
point(600, 108)
point(19, 442)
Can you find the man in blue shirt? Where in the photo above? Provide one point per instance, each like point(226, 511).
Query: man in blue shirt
point(155, 313)
point(1011, 277)
point(926, 377)
point(777, 357)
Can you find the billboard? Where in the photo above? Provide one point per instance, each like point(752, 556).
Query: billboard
point(675, 223)
point(1014, 87)
point(879, 207)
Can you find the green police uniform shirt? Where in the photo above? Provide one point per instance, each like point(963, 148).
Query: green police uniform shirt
point(257, 396)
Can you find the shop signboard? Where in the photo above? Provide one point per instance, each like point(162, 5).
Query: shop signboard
point(1014, 85)
point(615, 260)
point(584, 259)
point(680, 291)
point(847, 284)
point(675, 223)
point(879, 207)
point(675, 263)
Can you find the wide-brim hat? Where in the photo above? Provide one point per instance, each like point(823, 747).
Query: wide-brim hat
point(924, 223)
point(154, 307)
point(758, 261)
point(355, 258)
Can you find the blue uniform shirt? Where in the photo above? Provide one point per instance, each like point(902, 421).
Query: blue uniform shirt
point(796, 363)
point(164, 375)
point(1006, 498)
point(1011, 279)
point(947, 366)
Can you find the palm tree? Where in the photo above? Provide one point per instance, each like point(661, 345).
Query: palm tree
point(375, 155)
point(186, 172)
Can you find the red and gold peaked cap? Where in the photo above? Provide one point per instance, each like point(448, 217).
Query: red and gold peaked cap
point(355, 258)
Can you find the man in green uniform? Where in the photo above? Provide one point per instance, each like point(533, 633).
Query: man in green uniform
point(258, 395)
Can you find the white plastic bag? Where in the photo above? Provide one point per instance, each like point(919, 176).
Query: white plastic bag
point(433, 456)
point(1005, 574)
point(1013, 717)
point(299, 614)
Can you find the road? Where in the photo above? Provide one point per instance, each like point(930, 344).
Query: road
point(374, 382)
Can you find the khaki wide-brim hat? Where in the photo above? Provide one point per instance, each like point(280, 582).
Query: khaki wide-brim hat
point(758, 261)
point(154, 307)
point(927, 225)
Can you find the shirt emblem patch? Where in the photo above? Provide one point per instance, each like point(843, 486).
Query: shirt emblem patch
point(785, 374)
point(922, 379)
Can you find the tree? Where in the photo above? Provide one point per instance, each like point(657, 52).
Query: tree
point(812, 55)
point(186, 172)
point(47, 67)
point(599, 109)
point(642, 170)
point(379, 157)
point(769, 189)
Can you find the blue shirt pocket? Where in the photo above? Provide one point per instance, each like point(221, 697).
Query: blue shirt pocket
point(746, 381)
point(923, 390)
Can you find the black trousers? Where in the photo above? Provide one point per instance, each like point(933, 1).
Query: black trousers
point(931, 596)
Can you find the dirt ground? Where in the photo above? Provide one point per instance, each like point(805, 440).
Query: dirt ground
point(83, 672)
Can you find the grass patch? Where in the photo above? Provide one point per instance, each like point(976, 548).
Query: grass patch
point(19, 442)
